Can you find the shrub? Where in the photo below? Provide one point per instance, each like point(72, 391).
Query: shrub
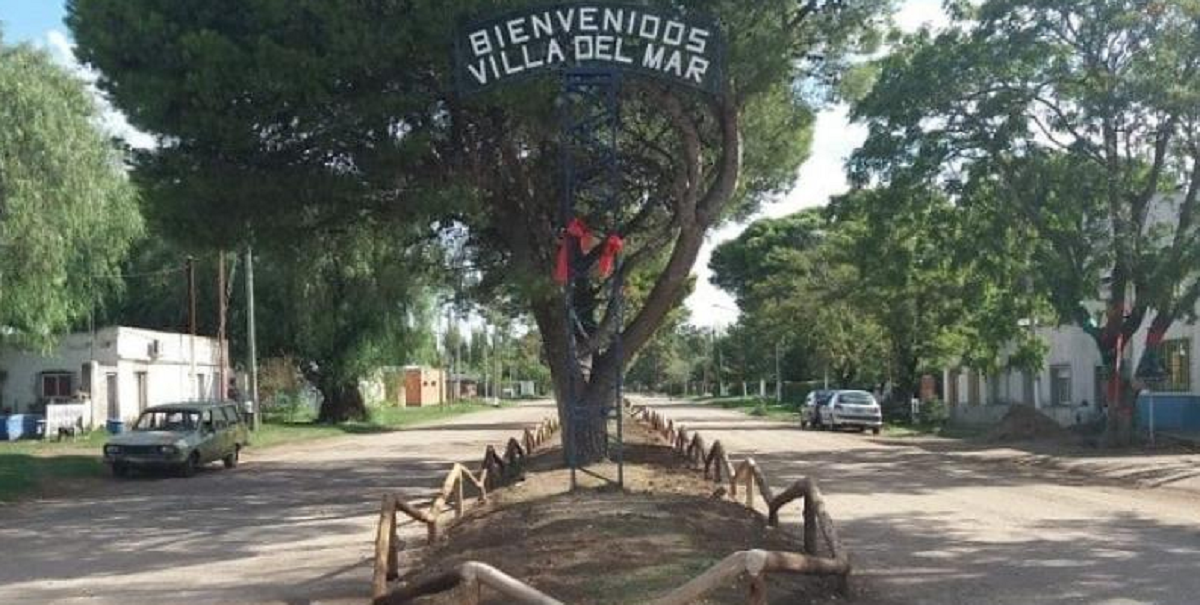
point(934, 412)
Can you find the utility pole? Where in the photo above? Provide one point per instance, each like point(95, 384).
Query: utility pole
point(251, 341)
point(222, 386)
point(191, 286)
point(778, 374)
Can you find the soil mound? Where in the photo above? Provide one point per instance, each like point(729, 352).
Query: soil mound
point(601, 545)
point(1024, 423)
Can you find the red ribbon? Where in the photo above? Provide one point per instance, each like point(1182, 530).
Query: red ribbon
point(612, 247)
point(578, 231)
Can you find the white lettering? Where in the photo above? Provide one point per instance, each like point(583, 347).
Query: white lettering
point(650, 34)
point(516, 31)
point(697, 67)
point(481, 43)
point(554, 53)
point(613, 19)
point(542, 25)
point(604, 46)
point(584, 48)
point(697, 40)
point(618, 55)
point(495, 69)
point(587, 19)
point(564, 21)
point(499, 36)
point(652, 59)
point(675, 63)
point(673, 33)
point(510, 69)
point(529, 63)
point(479, 72)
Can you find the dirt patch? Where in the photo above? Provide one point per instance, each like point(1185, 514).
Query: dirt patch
point(601, 545)
point(1024, 423)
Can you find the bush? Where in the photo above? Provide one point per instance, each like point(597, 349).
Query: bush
point(934, 412)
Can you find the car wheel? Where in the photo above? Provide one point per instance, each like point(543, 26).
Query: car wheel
point(190, 465)
point(231, 460)
point(119, 470)
point(874, 430)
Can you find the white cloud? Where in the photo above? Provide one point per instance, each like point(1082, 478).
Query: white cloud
point(821, 177)
point(113, 122)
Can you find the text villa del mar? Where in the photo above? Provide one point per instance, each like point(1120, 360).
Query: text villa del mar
point(628, 38)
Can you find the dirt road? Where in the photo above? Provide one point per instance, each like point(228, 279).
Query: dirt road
point(925, 527)
point(291, 525)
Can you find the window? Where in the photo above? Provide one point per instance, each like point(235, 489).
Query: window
point(1176, 359)
point(56, 384)
point(1060, 385)
point(201, 391)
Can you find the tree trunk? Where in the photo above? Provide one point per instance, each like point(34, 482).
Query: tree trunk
point(342, 401)
point(1118, 430)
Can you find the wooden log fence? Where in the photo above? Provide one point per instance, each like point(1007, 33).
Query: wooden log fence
point(494, 471)
point(820, 534)
point(823, 553)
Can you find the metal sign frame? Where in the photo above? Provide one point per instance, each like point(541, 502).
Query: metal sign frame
point(591, 47)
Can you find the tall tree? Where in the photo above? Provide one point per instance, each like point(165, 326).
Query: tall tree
point(1077, 122)
point(312, 115)
point(68, 212)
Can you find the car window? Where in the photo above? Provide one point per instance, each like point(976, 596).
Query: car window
point(173, 420)
point(231, 415)
point(853, 398)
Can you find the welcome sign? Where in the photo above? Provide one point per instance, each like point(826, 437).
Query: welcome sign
point(539, 40)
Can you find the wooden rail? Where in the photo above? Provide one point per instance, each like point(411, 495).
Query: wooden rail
point(472, 576)
point(820, 533)
point(494, 471)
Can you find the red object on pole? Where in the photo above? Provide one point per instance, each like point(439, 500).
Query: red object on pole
point(612, 247)
point(576, 231)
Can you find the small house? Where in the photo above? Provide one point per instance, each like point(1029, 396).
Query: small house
point(423, 386)
point(116, 372)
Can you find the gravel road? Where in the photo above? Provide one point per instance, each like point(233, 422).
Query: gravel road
point(925, 527)
point(292, 524)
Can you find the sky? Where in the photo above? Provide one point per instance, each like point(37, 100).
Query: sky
point(41, 22)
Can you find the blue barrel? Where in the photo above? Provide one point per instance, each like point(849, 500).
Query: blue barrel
point(115, 426)
point(22, 426)
point(3, 428)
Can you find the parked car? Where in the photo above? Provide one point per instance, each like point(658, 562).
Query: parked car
point(812, 401)
point(179, 436)
point(850, 408)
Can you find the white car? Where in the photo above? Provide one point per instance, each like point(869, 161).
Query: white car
point(851, 408)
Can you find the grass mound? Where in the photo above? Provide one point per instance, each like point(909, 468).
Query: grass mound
point(1024, 423)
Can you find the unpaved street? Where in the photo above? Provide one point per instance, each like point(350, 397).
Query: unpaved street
point(291, 525)
point(927, 528)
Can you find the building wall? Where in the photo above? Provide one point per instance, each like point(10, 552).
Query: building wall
point(424, 386)
point(124, 353)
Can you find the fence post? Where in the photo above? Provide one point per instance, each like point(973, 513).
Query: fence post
point(810, 523)
point(458, 496)
point(382, 546)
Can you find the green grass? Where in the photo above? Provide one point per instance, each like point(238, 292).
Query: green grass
point(382, 420)
point(28, 467)
point(757, 406)
point(899, 430)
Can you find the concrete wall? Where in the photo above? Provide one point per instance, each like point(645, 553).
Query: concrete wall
point(164, 358)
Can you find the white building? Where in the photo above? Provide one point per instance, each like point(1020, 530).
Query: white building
point(118, 372)
point(1070, 386)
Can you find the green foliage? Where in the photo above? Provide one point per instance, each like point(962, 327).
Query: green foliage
point(1065, 131)
point(934, 413)
point(68, 212)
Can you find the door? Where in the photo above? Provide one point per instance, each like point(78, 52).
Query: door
point(114, 404)
point(143, 393)
point(210, 437)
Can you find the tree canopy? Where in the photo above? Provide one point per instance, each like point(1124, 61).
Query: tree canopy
point(279, 118)
point(68, 212)
point(1071, 128)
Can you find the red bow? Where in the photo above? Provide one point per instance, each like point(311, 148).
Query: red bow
point(612, 247)
point(578, 230)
